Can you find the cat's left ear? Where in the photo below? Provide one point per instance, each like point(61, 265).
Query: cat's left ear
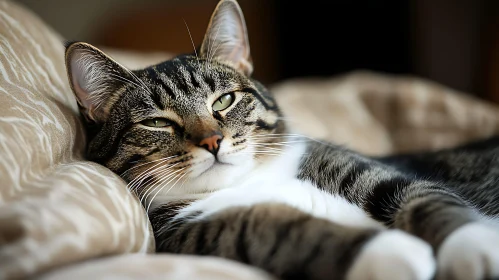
point(95, 78)
point(226, 39)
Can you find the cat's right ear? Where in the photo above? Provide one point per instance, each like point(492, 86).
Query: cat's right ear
point(95, 78)
point(226, 39)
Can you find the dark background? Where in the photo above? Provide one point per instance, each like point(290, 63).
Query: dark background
point(453, 42)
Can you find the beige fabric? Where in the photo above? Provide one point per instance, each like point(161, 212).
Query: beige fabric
point(152, 267)
point(57, 210)
point(380, 114)
point(54, 207)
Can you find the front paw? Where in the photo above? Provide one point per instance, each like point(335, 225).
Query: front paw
point(470, 253)
point(394, 255)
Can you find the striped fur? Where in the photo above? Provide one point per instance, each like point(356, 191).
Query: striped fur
point(297, 208)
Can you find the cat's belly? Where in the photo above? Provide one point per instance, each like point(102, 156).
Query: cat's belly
point(292, 192)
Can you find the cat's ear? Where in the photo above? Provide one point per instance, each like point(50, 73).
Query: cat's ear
point(226, 39)
point(95, 78)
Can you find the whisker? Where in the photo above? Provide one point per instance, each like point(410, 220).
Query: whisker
point(123, 79)
point(263, 153)
point(135, 183)
point(192, 41)
point(151, 188)
point(276, 135)
point(266, 148)
point(148, 162)
point(276, 143)
point(158, 172)
point(175, 183)
point(144, 86)
point(171, 177)
point(159, 180)
point(146, 172)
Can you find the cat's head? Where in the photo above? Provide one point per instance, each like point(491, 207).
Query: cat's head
point(197, 120)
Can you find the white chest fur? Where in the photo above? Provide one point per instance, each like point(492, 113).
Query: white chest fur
point(275, 182)
point(292, 192)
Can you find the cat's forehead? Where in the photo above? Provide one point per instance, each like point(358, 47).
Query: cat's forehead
point(187, 75)
point(186, 82)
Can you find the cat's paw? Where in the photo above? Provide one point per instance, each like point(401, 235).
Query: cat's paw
point(394, 255)
point(471, 252)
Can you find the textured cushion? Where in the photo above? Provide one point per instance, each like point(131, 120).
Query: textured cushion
point(55, 208)
point(164, 266)
point(381, 114)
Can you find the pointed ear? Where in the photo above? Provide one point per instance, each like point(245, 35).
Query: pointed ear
point(95, 78)
point(226, 39)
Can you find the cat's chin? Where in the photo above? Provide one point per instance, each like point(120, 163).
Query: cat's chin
point(214, 175)
point(217, 167)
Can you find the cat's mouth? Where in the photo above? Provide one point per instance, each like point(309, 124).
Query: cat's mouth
point(215, 167)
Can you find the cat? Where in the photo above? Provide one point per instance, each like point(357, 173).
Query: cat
point(220, 173)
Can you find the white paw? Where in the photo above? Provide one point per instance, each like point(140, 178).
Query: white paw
point(394, 255)
point(471, 252)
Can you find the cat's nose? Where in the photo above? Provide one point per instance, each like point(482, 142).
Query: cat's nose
point(211, 143)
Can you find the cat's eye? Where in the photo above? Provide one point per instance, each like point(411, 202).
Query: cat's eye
point(156, 122)
point(223, 102)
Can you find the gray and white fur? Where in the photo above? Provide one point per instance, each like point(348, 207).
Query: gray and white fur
point(206, 149)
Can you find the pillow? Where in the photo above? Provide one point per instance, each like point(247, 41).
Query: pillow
point(160, 266)
point(379, 114)
point(55, 208)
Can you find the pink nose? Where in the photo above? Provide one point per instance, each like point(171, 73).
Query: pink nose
point(212, 143)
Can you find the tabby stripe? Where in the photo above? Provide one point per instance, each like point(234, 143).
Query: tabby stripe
point(210, 82)
point(111, 149)
point(156, 98)
point(194, 81)
point(433, 218)
point(345, 187)
point(323, 166)
point(241, 249)
point(182, 85)
point(282, 236)
point(218, 116)
point(239, 142)
point(160, 219)
point(168, 89)
point(260, 98)
point(212, 245)
point(315, 251)
point(201, 237)
point(261, 125)
point(127, 164)
point(153, 75)
point(135, 142)
point(381, 201)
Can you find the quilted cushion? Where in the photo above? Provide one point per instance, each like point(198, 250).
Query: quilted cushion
point(383, 114)
point(55, 208)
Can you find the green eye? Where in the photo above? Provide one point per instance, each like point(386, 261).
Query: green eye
point(157, 122)
point(223, 102)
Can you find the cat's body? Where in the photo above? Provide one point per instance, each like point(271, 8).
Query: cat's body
point(207, 151)
point(332, 183)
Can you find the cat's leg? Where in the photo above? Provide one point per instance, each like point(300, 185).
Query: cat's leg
point(292, 244)
point(467, 248)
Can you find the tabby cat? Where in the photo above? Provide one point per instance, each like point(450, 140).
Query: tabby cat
point(220, 173)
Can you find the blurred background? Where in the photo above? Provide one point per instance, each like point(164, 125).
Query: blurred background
point(453, 42)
